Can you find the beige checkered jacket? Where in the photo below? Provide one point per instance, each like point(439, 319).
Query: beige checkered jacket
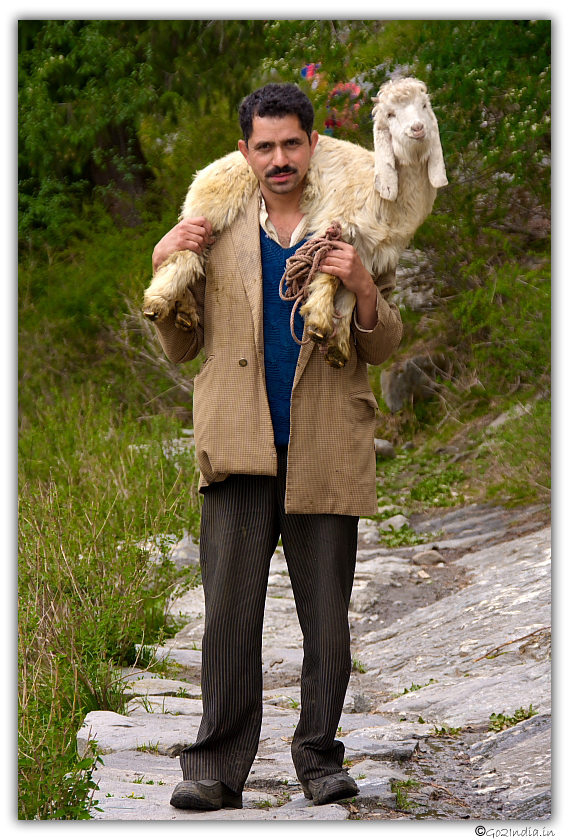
point(331, 463)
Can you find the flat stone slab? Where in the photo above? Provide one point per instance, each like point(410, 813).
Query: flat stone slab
point(123, 795)
point(447, 642)
point(143, 732)
point(484, 649)
point(357, 746)
point(471, 700)
point(164, 704)
point(163, 687)
point(368, 771)
point(516, 764)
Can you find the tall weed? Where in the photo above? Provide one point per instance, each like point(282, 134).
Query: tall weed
point(99, 502)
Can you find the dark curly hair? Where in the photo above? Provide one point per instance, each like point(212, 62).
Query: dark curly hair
point(276, 100)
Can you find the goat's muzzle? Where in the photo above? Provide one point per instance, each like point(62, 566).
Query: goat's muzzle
point(417, 131)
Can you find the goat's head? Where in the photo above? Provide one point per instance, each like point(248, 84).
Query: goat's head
point(405, 129)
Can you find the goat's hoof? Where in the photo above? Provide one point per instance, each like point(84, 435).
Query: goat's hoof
point(317, 334)
point(186, 321)
point(335, 358)
point(155, 307)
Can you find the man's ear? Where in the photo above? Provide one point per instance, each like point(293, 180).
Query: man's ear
point(242, 146)
point(314, 141)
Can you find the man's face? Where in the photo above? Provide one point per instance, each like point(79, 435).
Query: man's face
point(279, 152)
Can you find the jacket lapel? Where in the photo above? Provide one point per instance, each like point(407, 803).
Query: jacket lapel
point(245, 237)
point(304, 357)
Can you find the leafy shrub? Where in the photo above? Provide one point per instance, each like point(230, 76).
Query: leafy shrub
point(505, 325)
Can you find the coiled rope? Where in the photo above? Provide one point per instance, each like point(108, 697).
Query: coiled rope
point(300, 269)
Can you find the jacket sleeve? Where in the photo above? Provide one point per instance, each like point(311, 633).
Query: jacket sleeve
point(377, 345)
point(180, 345)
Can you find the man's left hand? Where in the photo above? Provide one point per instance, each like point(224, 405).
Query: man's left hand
point(343, 262)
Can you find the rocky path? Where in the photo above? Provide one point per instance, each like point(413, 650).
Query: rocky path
point(445, 635)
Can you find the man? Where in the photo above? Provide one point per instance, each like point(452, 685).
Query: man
point(285, 447)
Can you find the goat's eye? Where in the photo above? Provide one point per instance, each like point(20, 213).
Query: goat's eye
point(425, 106)
point(390, 114)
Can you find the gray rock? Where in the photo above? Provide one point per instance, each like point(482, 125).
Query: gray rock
point(160, 686)
point(368, 531)
point(517, 762)
point(413, 378)
point(374, 790)
point(509, 597)
point(516, 411)
point(145, 732)
point(186, 552)
point(357, 703)
point(189, 658)
point(364, 596)
point(384, 448)
point(460, 542)
point(431, 557)
point(190, 605)
point(387, 508)
point(370, 769)
point(283, 662)
point(164, 704)
point(153, 803)
point(358, 746)
point(395, 523)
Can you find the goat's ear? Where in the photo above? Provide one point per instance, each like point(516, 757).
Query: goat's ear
point(436, 166)
point(385, 174)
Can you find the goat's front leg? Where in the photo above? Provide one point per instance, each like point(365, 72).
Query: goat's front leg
point(338, 351)
point(186, 312)
point(169, 286)
point(318, 309)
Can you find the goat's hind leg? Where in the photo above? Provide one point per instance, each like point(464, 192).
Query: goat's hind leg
point(318, 309)
point(186, 312)
point(338, 351)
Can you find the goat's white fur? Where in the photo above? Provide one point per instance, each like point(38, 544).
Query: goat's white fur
point(380, 199)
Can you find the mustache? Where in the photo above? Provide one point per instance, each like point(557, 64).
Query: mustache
point(281, 170)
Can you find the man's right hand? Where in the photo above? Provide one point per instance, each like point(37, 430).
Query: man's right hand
point(188, 235)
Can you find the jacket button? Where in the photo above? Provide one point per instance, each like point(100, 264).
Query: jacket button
point(242, 362)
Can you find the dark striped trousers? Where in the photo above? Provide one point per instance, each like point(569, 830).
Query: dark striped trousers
point(242, 518)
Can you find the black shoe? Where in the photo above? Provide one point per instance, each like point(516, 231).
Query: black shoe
point(205, 795)
point(330, 788)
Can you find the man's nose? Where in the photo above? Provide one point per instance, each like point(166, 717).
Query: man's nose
point(279, 156)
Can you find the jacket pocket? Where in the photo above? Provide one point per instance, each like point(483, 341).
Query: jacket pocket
point(205, 364)
point(363, 399)
point(362, 413)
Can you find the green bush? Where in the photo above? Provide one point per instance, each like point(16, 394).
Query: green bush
point(516, 460)
point(504, 324)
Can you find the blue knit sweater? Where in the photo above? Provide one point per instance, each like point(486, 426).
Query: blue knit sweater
point(281, 351)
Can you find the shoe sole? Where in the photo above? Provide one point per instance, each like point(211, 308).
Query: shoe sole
point(193, 802)
point(198, 799)
point(335, 791)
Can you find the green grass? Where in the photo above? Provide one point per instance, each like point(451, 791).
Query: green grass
point(95, 486)
point(415, 687)
point(401, 789)
point(498, 722)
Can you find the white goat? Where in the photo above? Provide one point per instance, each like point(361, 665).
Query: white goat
point(380, 199)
